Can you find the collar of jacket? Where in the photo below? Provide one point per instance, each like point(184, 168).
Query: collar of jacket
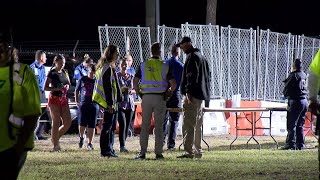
point(191, 50)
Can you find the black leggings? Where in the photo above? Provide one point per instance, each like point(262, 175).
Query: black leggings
point(124, 119)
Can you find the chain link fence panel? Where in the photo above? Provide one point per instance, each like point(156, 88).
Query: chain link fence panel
point(274, 64)
point(307, 49)
point(206, 38)
point(168, 36)
point(238, 57)
point(135, 40)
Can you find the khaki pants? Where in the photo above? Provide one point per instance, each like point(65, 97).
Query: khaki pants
point(152, 103)
point(191, 127)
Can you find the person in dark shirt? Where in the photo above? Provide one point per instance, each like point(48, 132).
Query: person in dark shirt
point(126, 107)
point(195, 86)
point(107, 94)
point(172, 118)
point(296, 92)
point(58, 83)
point(88, 110)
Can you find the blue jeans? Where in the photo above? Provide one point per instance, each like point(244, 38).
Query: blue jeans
point(107, 133)
point(173, 119)
point(296, 116)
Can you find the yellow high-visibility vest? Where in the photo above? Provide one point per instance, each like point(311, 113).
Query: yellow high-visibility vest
point(315, 64)
point(153, 76)
point(25, 102)
point(98, 95)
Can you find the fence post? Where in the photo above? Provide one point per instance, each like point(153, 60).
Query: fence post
point(125, 39)
point(228, 85)
point(140, 44)
point(162, 42)
point(276, 69)
point(266, 64)
point(238, 78)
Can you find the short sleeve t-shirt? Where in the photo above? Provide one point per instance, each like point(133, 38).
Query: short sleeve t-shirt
point(58, 80)
point(85, 85)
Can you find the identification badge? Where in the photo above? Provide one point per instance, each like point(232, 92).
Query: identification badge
point(36, 71)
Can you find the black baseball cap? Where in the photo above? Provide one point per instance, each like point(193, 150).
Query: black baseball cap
point(298, 63)
point(183, 40)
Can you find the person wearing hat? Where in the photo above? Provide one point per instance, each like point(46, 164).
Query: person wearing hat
point(153, 76)
point(296, 92)
point(195, 85)
point(20, 109)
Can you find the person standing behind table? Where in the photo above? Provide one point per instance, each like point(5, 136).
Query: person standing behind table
point(154, 75)
point(39, 71)
point(175, 100)
point(107, 94)
point(195, 87)
point(296, 91)
point(58, 83)
point(88, 110)
point(126, 107)
point(17, 120)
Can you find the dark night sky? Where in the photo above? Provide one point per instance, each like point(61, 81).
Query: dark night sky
point(70, 20)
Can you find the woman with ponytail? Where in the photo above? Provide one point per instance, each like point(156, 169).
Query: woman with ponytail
point(58, 83)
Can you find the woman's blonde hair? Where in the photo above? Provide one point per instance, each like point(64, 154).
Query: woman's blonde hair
point(107, 55)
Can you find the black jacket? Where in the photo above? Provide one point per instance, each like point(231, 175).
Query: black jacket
point(295, 85)
point(196, 77)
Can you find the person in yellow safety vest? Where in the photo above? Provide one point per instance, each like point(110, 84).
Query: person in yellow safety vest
point(107, 94)
point(20, 109)
point(313, 86)
point(154, 75)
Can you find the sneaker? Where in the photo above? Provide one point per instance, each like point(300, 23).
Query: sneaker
point(140, 157)
point(287, 148)
point(185, 156)
point(171, 148)
point(41, 138)
point(301, 147)
point(90, 147)
point(81, 142)
point(123, 150)
point(198, 156)
point(109, 155)
point(159, 157)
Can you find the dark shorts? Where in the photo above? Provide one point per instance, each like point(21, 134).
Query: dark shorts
point(88, 114)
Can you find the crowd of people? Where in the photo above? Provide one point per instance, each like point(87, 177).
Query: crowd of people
point(110, 87)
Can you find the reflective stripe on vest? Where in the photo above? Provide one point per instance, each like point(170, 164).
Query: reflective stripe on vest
point(16, 74)
point(16, 121)
point(98, 91)
point(152, 81)
point(17, 81)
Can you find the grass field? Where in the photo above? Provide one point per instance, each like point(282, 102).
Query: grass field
point(218, 163)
